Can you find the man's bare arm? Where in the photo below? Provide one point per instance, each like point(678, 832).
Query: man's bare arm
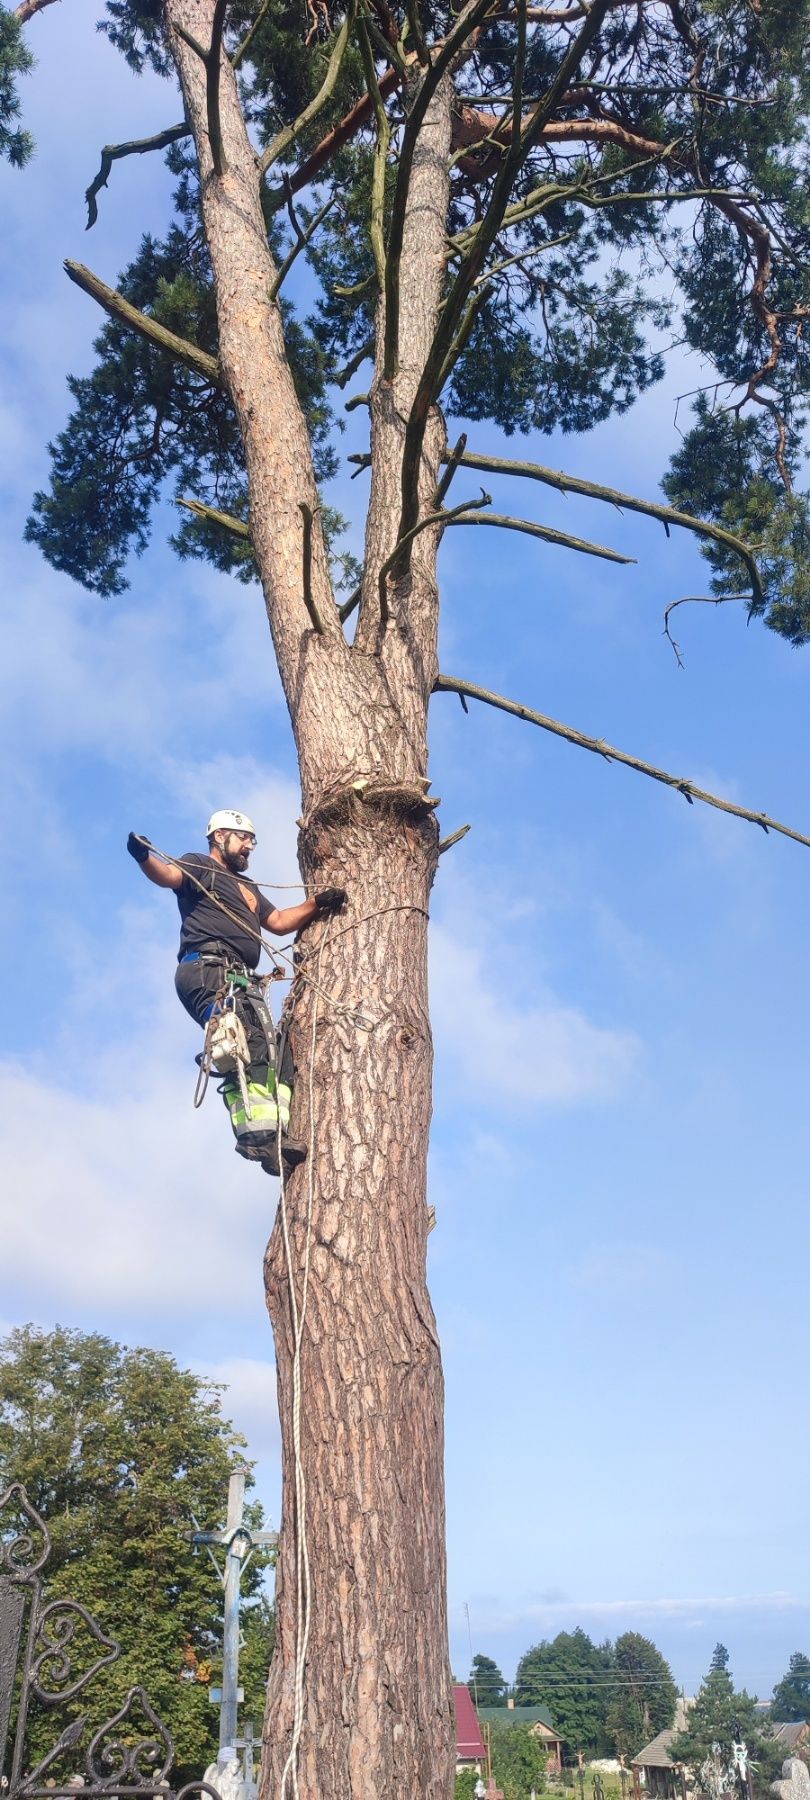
point(285, 919)
point(163, 874)
point(282, 919)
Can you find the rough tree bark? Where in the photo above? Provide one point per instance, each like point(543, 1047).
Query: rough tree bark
point(377, 1709)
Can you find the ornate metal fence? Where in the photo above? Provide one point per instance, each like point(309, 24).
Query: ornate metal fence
point(50, 1650)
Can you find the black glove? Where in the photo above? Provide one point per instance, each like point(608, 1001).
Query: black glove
point(331, 900)
point(139, 847)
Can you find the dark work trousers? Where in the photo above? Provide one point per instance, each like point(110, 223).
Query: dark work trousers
point(198, 984)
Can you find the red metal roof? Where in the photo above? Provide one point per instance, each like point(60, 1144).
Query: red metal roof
point(469, 1742)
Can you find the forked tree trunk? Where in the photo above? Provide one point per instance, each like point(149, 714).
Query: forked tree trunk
point(375, 1715)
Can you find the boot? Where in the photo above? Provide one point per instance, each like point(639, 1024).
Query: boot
point(292, 1153)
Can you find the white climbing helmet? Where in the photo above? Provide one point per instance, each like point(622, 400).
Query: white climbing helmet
point(229, 821)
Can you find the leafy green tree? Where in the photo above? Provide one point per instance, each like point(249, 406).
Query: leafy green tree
point(720, 1714)
point(568, 1675)
point(486, 1683)
point(502, 205)
point(518, 1760)
point(791, 1696)
point(465, 1785)
point(117, 1449)
point(643, 1696)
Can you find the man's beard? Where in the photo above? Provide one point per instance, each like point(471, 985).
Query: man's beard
point(236, 861)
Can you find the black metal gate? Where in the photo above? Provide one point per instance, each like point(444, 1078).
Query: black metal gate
point(44, 1650)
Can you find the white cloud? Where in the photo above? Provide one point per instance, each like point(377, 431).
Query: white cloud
point(495, 1616)
point(519, 1053)
point(117, 1192)
point(250, 1400)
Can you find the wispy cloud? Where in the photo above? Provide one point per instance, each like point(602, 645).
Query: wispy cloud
point(518, 1053)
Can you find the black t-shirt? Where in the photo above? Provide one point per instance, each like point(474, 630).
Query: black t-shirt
point(202, 920)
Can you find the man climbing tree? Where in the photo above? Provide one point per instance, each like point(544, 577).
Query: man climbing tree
point(223, 916)
point(487, 199)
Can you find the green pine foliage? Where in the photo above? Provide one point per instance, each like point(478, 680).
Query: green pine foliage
point(486, 1683)
point(643, 1695)
point(15, 59)
point(117, 1449)
point(720, 1715)
point(791, 1696)
point(603, 258)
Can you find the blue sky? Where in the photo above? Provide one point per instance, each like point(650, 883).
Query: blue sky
point(619, 989)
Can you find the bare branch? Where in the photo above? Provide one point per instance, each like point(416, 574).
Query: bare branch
point(302, 239)
point(341, 134)
point(472, 265)
point(355, 362)
point(212, 63)
point(28, 8)
point(289, 133)
point(454, 838)
point(546, 532)
point(697, 600)
point(309, 598)
point(376, 226)
point(439, 517)
point(452, 461)
point(668, 515)
point(240, 53)
point(120, 309)
point(468, 21)
point(226, 520)
point(138, 147)
point(448, 684)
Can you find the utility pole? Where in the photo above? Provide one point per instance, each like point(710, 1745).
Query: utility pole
point(239, 1543)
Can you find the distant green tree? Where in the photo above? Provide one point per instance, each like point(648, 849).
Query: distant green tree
point(15, 59)
point(791, 1696)
point(465, 1785)
point(116, 1449)
point(568, 1676)
point(518, 1760)
point(486, 1683)
point(643, 1698)
point(720, 1714)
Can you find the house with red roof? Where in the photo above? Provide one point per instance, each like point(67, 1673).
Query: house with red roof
point(470, 1748)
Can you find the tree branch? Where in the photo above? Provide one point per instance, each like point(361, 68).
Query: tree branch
point(471, 16)
point(287, 136)
point(472, 265)
point(120, 309)
point(697, 600)
point(302, 239)
point(454, 838)
point(377, 222)
point(28, 8)
point(226, 520)
point(212, 63)
point(453, 517)
point(448, 684)
point(452, 461)
point(309, 598)
point(668, 515)
point(112, 152)
point(241, 52)
point(546, 532)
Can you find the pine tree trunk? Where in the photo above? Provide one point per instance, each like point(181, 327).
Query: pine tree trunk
point(364, 1498)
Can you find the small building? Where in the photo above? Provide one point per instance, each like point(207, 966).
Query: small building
point(794, 1734)
point(539, 1721)
point(653, 1768)
point(470, 1747)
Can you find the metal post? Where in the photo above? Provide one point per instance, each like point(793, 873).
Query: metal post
point(230, 1638)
